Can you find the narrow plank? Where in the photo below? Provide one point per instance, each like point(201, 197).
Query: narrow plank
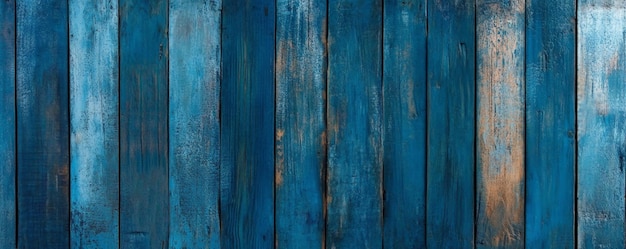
point(94, 137)
point(500, 126)
point(300, 123)
point(451, 124)
point(550, 123)
point(601, 53)
point(7, 125)
point(144, 201)
point(247, 128)
point(404, 104)
point(42, 124)
point(354, 180)
point(194, 90)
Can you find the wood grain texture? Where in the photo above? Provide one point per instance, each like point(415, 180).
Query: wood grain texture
point(7, 125)
point(404, 104)
point(194, 131)
point(42, 124)
point(451, 124)
point(354, 180)
point(300, 123)
point(550, 123)
point(94, 124)
point(500, 126)
point(144, 201)
point(247, 128)
point(601, 120)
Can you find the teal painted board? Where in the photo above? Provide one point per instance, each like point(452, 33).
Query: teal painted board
point(354, 118)
point(300, 123)
point(144, 202)
point(42, 124)
point(247, 124)
point(500, 123)
point(550, 123)
point(194, 131)
point(451, 124)
point(7, 125)
point(94, 124)
point(404, 123)
point(601, 117)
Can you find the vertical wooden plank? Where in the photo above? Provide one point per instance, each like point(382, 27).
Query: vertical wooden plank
point(300, 123)
point(601, 120)
point(194, 45)
point(247, 129)
point(354, 181)
point(94, 137)
point(404, 104)
point(550, 123)
point(43, 124)
point(500, 126)
point(7, 125)
point(451, 124)
point(144, 184)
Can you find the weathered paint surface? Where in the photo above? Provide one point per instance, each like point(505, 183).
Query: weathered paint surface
point(7, 125)
point(550, 123)
point(300, 123)
point(500, 126)
point(194, 67)
point(404, 104)
point(144, 201)
point(601, 123)
point(247, 128)
point(94, 130)
point(451, 124)
point(42, 124)
point(354, 180)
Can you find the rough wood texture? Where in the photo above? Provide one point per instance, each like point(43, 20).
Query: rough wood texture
point(194, 131)
point(43, 129)
point(144, 198)
point(354, 181)
point(500, 126)
point(601, 123)
point(451, 124)
point(247, 131)
point(550, 123)
point(300, 123)
point(94, 130)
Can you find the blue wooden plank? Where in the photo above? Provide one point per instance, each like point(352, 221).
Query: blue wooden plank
point(601, 117)
point(300, 123)
point(247, 128)
point(42, 124)
point(550, 123)
point(354, 181)
point(404, 104)
point(194, 90)
point(94, 137)
point(144, 202)
point(500, 128)
point(7, 125)
point(451, 124)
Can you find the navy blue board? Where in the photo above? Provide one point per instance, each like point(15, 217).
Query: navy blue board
point(550, 123)
point(144, 202)
point(194, 88)
point(451, 119)
point(247, 124)
point(355, 159)
point(94, 137)
point(300, 123)
point(404, 104)
point(42, 124)
point(7, 125)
